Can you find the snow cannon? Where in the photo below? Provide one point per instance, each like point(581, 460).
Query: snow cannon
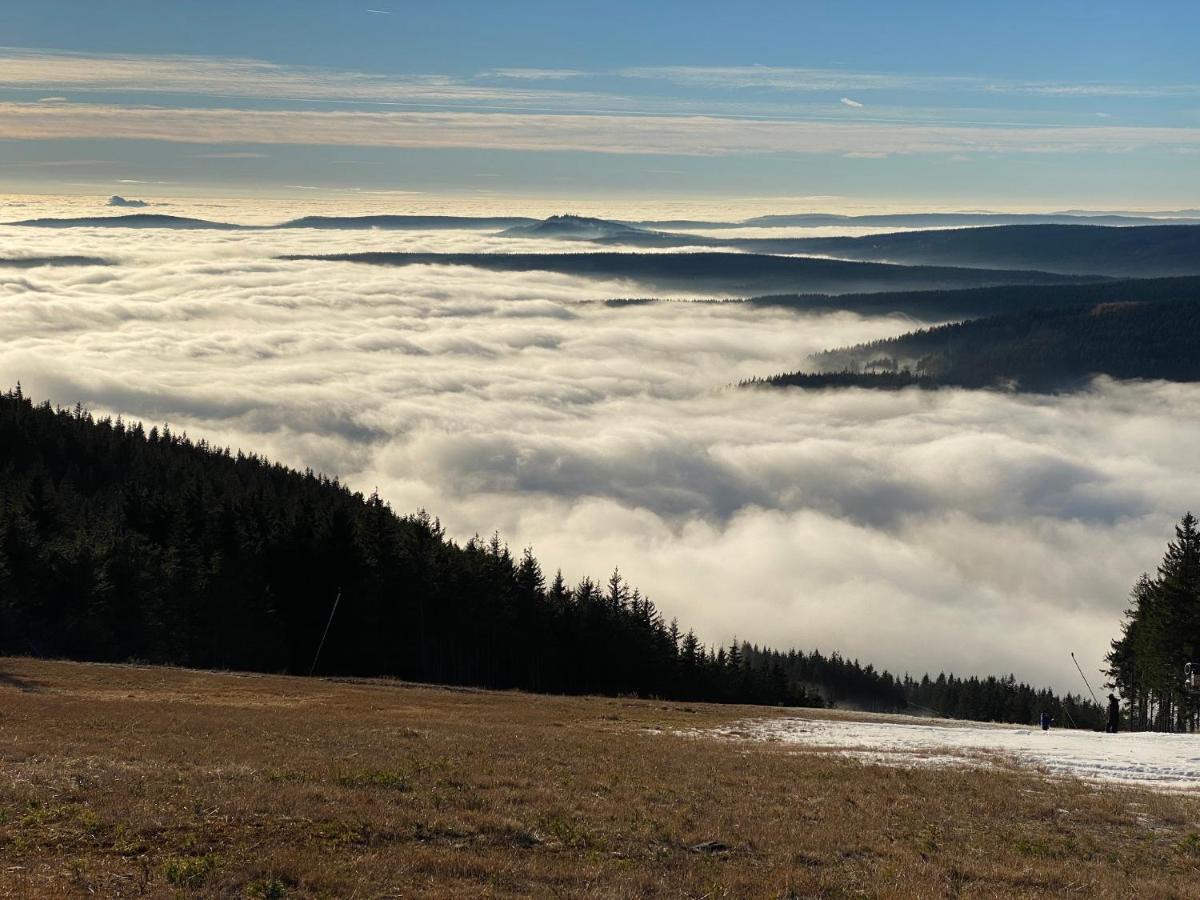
point(1191, 679)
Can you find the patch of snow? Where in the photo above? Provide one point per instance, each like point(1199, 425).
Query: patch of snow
point(1159, 761)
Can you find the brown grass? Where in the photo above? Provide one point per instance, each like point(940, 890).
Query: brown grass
point(127, 781)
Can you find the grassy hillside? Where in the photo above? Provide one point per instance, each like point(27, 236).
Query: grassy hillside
point(126, 781)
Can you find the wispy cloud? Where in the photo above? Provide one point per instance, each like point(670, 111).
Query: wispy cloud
point(806, 80)
point(746, 91)
point(61, 163)
point(385, 193)
point(533, 74)
point(616, 134)
point(484, 112)
point(253, 78)
point(802, 80)
point(237, 154)
point(1095, 89)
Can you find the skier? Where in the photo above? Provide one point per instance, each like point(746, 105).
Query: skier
point(1046, 721)
point(1114, 715)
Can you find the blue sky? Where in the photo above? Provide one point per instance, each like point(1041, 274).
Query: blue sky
point(1004, 104)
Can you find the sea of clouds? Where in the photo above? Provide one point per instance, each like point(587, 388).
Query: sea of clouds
point(973, 531)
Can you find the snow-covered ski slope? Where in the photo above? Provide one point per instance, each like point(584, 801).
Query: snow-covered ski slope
point(1159, 761)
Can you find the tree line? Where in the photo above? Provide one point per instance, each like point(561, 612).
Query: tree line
point(1030, 350)
point(1160, 635)
point(848, 683)
point(121, 543)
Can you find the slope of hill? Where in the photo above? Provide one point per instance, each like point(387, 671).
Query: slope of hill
point(131, 220)
point(116, 543)
point(968, 303)
point(951, 220)
point(1033, 350)
point(407, 223)
point(575, 228)
point(34, 262)
point(163, 782)
point(1161, 250)
point(1138, 252)
point(737, 273)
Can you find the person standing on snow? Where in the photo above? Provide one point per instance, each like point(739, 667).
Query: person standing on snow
point(1114, 715)
point(1045, 721)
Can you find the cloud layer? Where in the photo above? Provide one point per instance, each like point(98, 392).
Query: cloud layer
point(915, 530)
point(681, 111)
point(613, 134)
point(258, 78)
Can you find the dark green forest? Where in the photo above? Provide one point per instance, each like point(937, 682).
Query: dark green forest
point(1033, 350)
point(120, 543)
point(1074, 249)
point(745, 274)
point(1160, 635)
point(844, 682)
point(968, 303)
point(1069, 249)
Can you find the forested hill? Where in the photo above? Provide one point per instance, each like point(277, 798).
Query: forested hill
point(132, 220)
point(1160, 637)
point(1125, 252)
point(119, 543)
point(1144, 251)
point(972, 303)
point(1033, 350)
point(407, 223)
point(743, 274)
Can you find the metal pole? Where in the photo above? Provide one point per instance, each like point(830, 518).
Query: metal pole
point(325, 634)
point(1084, 677)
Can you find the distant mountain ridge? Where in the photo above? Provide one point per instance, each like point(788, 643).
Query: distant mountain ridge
point(1127, 252)
point(616, 226)
point(34, 262)
point(132, 220)
point(970, 303)
point(949, 220)
point(571, 227)
point(407, 223)
point(737, 273)
point(1067, 249)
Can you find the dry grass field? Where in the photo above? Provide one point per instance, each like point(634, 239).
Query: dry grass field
point(129, 781)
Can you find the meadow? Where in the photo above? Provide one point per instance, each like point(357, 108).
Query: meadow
point(122, 780)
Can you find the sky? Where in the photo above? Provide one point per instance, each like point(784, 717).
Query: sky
point(940, 105)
